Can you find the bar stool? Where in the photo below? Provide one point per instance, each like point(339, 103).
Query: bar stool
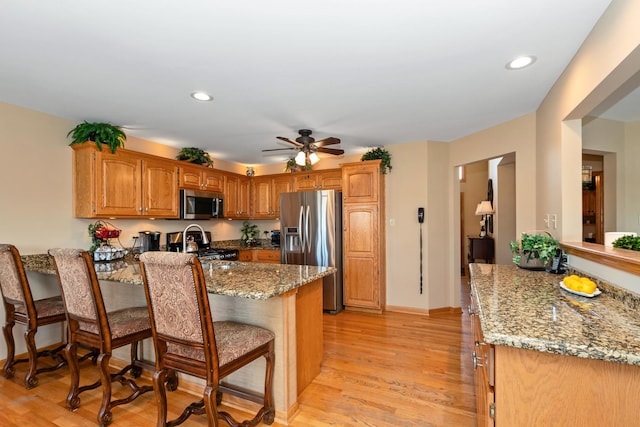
point(20, 307)
point(187, 340)
point(91, 326)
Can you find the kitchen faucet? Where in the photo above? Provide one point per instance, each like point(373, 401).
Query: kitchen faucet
point(184, 236)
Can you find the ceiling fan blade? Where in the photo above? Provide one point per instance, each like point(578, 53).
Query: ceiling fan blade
point(279, 149)
point(327, 141)
point(289, 140)
point(334, 151)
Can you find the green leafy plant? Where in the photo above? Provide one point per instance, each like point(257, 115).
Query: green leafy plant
point(627, 242)
point(249, 232)
point(195, 155)
point(100, 133)
point(292, 166)
point(534, 246)
point(379, 153)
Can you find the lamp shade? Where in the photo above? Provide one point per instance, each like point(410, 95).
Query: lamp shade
point(313, 158)
point(301, 158)
point(484, 208)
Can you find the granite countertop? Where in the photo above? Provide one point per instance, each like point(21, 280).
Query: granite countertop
point(528, 310)
point(263, 244)
point(232, 278)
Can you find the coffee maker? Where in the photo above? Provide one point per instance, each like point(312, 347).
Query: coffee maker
point(149, 241)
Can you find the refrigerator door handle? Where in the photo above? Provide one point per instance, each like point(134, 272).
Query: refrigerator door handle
point(301, 235)
point(306, 231)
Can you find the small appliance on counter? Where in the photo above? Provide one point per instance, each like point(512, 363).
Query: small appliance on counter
point(149, 241)
point(174, 244)
point(275, 237)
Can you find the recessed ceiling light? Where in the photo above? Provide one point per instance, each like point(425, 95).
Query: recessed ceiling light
point(201, 96)
point(520, 62)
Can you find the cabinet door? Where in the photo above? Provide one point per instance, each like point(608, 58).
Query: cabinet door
point(262, 198)
point(361, 256)
point(305, 181)
point(190, 177)
point(330, 180)
point(236, 196)
point(244, 196)
point(212, 180)
point(118, 183)
point(231, 197)
point(160, 189)
point(279, 185)
point(361, 182)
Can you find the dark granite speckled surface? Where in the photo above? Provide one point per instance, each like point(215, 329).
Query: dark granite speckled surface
point(231, 278)
point(528, 310)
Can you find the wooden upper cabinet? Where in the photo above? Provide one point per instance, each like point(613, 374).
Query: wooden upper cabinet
point(160, 188)
point(201, 178)
point(266, 192)
point(237, 190)
point(361, 182)
point(124, 184)
point(328, 179)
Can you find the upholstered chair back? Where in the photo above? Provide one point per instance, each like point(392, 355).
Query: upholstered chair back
point(174, 304)
point(179, 317)
point(81, 298)
point(10, 283)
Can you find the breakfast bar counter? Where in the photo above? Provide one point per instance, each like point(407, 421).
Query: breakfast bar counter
point(545, 356)
point(528, 309)
point(286, 299)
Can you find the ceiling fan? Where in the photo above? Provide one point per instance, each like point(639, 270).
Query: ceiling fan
point(308, 146)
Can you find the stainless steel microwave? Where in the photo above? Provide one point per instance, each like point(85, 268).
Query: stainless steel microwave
point(196, 204)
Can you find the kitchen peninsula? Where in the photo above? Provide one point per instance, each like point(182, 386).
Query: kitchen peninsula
point(286, 299)
point(544, 356)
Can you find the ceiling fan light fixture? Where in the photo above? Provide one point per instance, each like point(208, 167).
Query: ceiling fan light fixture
point(301, 158)
point(201, 96)
point(313, 158)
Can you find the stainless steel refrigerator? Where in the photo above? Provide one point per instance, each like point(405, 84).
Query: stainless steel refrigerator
point(311, 234)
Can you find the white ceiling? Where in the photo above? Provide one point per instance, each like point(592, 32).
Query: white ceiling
point(370, 72)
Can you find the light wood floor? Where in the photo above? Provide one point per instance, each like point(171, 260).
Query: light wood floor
point(385, 370)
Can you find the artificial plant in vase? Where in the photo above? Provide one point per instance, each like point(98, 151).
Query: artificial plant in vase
point(534, 251)
point(249, 232)
point(100, 133)
point(379, 153)
point(195, 155)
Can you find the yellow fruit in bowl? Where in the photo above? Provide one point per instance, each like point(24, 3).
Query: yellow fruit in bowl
point(588, 285)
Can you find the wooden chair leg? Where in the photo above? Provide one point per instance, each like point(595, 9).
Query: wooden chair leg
point(211, 405)
point(161, 397)
point(71, 354)
point(270, 413)
point(30, 340)
point(104, 415)
point(9, 368)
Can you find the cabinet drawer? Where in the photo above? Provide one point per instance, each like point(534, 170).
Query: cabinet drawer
point(245, 256)
point(268, 256)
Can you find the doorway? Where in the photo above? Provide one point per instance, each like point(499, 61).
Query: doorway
point(592, 198)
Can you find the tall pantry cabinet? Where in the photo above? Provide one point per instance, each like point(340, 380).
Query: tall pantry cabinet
point(363, 211)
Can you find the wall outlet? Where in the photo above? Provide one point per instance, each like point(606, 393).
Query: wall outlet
point(546, 220)
point(554, 221)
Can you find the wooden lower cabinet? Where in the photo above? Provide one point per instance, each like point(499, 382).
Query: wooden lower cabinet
point(534, 388)
point(271, 256)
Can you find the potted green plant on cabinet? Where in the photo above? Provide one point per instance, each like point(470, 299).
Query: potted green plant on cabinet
point(195, 155)
point(100, 133)
point(534, 251)
point(379, 153)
